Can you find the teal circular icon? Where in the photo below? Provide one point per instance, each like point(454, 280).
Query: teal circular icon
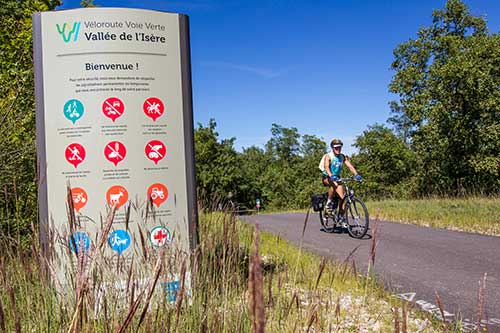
point(73, 110)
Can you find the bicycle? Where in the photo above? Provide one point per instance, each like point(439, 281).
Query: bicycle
point(355, 215)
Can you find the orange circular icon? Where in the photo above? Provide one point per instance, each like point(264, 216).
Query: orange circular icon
point(80, 198)
point(117, 195)
point(158, 193)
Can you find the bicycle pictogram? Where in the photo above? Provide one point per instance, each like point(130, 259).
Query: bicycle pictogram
point(79, 197)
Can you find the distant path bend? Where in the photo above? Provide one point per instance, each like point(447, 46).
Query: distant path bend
point(413, 261)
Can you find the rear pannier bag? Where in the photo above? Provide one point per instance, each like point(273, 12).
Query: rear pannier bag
point(318, 201)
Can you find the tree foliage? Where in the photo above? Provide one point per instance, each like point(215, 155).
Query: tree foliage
point(385, 161)
point(447, 81)
point(17, 113)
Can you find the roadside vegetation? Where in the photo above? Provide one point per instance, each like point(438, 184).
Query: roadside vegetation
point(473, 214)
point(239, 285)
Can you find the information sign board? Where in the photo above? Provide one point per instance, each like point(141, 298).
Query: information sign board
point(114, 121)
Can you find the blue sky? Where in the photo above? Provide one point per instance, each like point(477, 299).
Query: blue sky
point(319, 66)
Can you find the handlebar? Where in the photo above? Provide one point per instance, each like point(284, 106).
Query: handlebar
point(345, 180)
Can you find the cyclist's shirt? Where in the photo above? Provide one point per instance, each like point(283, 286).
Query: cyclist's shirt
point(336, 163)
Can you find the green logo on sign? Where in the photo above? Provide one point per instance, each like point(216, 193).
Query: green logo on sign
point(66, 33)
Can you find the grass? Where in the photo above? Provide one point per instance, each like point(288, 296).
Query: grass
point(475, 214)
point(243, 281)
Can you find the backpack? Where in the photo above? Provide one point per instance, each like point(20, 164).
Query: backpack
point(322, 162)
point(318, 201)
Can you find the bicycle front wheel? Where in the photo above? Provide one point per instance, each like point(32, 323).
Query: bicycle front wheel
point(357, 218)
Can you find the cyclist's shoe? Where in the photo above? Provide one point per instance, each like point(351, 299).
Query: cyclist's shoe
point(329, 207)
point(343, 222)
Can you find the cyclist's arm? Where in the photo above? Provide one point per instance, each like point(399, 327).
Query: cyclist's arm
point(350, 166)
point(327, 165)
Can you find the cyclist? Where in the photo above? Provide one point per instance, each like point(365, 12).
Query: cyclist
point(332, 168)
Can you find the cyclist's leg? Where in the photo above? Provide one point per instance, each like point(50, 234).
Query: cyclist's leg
point(331, 190)
point(340, 193)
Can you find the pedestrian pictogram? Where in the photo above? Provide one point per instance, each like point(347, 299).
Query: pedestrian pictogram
point(153, 108)
point(117, 195)
point(115, 152)
point(80, 198)
point(119, 240)
point(113, 108)
point(155, 150)
point(75, 154)
point(158, 193)
point(160, 236)
point(73, 110)
point(79, 241)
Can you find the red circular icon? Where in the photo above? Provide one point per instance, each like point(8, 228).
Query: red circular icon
point(75, 154)
point(158, 193)
point(153, 108)
point(155, 150)
point(113, 108)
point(115, 152)
point(117, 195)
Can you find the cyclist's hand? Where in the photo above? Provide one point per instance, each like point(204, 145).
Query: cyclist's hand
point(358, 177)
point(334, 178)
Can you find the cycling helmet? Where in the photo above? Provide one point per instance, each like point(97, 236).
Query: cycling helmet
point(336, 143)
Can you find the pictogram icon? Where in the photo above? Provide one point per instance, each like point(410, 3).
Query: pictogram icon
point(153, 107)
point(73, 110)
point(117, 195)
point(80, 198)
point(113, 108)
point(75, 154)
point(79, 241)
point(115, 152)
point(119, 240)
point(159, 236)
point(158, 193)
point(155, 150)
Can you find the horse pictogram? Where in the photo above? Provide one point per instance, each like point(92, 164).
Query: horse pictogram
point(153, 107)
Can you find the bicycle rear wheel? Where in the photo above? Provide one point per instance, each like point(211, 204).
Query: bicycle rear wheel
point(327, 220)
point(357, 218)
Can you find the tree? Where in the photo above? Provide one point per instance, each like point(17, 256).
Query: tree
point(18, 205)
point(448, 108)
point(217, 168)
point(284, 144)
point(385, 161)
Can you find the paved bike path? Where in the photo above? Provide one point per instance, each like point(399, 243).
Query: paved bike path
point(413, 261)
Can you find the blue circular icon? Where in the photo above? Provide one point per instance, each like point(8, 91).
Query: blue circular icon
point(73, 110)
point(78, 240)
point(119, 240)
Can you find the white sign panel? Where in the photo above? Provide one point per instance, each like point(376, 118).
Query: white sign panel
point(114, 119)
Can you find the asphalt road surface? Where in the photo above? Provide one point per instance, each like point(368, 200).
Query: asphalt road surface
point(413, 262)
